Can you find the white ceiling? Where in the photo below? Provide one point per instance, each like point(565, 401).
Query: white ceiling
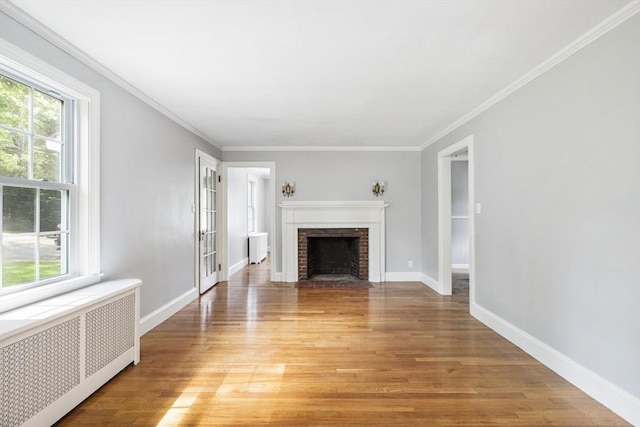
point(320, 73)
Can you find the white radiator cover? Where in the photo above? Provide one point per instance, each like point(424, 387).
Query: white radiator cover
point(57, 352)
point(257, 247)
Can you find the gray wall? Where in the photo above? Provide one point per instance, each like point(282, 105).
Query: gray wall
point(147, 181)
point(558, 240)
point(348, 176)
point(459, 207)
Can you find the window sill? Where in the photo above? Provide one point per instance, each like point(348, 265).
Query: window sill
point(33, 295)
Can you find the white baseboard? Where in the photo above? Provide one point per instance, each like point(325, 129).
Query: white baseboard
point(238, 266)
point(459, 265)
point(613, 397)
point(430, 282)
point(402, 276)
point(158, 316)
point(277, 276)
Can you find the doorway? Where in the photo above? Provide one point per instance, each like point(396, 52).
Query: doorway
point(248, 216)
point(456, 217)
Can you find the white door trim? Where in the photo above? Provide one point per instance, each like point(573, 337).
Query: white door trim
point(195, 208)
point(444, 216)
point(224, 232)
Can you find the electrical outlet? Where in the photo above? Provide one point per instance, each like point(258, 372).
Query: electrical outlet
point(410, 264)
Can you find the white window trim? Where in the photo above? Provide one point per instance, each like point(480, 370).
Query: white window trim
point(86, 245)
point(254, 201)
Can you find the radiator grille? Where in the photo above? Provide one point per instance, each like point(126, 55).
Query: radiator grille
point(38, 370)
point(110, 332)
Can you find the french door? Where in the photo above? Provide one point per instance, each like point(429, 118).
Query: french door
point(208, 219)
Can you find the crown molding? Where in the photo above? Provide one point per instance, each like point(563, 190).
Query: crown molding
point(57, 40)
point(587, 38)
point(320, 148)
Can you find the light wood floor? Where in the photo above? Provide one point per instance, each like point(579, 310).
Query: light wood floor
point(252, 352)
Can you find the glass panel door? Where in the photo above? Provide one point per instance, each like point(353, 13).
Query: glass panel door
point(208, 191)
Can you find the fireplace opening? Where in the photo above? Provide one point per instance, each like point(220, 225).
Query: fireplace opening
point(335, 256)
point(328, 253)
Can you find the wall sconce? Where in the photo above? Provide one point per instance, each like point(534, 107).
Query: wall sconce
point(288, 188)
point(378, 188)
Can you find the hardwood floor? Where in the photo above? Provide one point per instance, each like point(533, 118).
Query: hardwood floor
point(252, 352)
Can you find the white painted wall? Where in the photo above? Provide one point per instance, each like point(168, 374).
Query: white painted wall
point(147, 178)
point(237, 216)
point(263, 204)
point(340, 176)
point(558, 240)
point(459, 208)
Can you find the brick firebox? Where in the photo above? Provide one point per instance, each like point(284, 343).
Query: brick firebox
point(362, 234)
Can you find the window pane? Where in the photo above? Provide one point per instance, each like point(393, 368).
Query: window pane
point(14, 154)
point(213, 200)
point(14, 104)
point(50, 210)
point(47, 158)
point(50, 257)
point(18, 210)
point(47, 115)
point(18, 259)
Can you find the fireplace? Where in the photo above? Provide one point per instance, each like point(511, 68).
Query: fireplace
point(366, 216)
point(333, 252)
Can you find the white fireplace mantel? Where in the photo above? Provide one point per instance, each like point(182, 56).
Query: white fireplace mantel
point(315, 214)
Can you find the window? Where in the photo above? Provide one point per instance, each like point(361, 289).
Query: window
point(36, 146)
point(49, 180)
point(251, 206)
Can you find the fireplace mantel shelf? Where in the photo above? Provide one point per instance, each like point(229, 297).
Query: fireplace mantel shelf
point(333, 204)
point(333, 214)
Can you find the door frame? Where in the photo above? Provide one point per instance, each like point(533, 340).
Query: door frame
point(444, 215)
point(224, 224)
point(195, 209)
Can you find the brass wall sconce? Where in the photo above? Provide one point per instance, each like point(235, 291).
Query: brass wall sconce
point(378, 188)
point(288, 188)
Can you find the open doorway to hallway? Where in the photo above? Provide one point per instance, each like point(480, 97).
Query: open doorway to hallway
point(456, 248)
point(460, 223)
point(249, 223)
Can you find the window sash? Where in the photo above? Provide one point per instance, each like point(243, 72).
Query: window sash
point(66, 231)
point(67, 126)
